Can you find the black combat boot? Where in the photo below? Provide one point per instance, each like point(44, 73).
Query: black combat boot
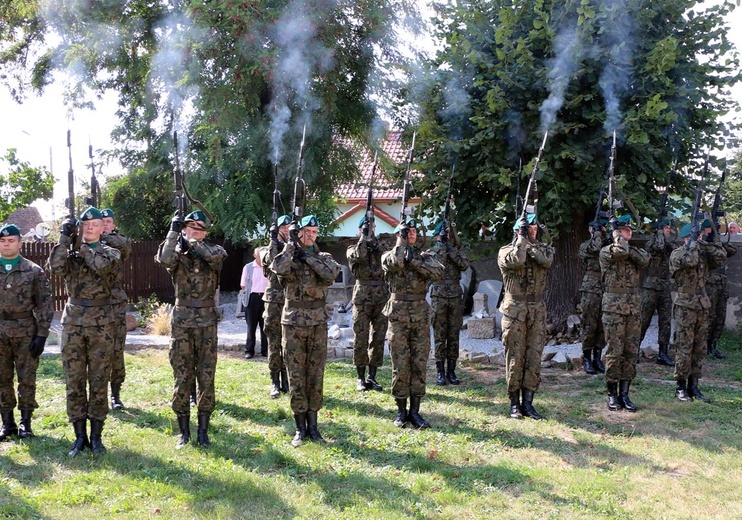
point(614, 404)
point(9, 426)
point(623, 395)
point(681, 393)
point(663, 358)
point(587, 362)
point(194, 394)
point(515, 411)
point(714, 351)
point(414, 416)
point(81, 437)
point(693, 390)
point(371, 382)
point(312, 430)
point(361, 382)
point(451, 373)
point(440, 379)
point(116, 403)
point(284, 381)
point(275, 384)
point(597, 363)
point(202, 435)
point(96, 442)
point(25, 428)
point(401, 419)
point(527, 405)
point(184, 425)
point(301, 429)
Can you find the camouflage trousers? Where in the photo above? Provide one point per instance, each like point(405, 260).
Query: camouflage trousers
point(368, 321)
point(448, 317)
point(409, 348)
point(15, 358)
point(272, 329)
point(691, 329)
point(717, 314)
point(193, 356)
point(524, 342)
point(622, 332)
point(118, 368)
point(661, 301)
point(305, 355)
point(86, 360)
point(592, 325)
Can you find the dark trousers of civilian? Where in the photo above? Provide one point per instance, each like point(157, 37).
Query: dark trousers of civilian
point(254, 319)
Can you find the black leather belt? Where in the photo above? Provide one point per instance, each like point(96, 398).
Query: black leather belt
point(301, 304)
point(371, 283)
point(407, 297)
point(530, 298)
point(16, 315)
point(87, 302)
point(691, 290)
point(622, 290)
point(198, 304)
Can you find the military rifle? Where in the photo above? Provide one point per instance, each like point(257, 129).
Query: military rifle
point(613, 204)
point(297, 203)
point(697, 218)
point(182, 197)
point(406, 188)
point(70, 202)
point(518, 198)
point(94, 198)
point(445, 229)
point(276, 202)
point(662, 213)
point(368, 227)
point(716, 211)
point(532, 190)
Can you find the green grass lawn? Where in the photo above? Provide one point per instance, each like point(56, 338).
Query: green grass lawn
point(669, 460)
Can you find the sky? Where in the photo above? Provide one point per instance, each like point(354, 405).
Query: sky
point(41, 124)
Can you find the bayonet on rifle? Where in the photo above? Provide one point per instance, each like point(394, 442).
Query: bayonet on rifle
point(94, 198)
point(406, 188)
point(70, 202)
point(297, 203)
point(368, 227)
point(532, 190)
point(445, 230)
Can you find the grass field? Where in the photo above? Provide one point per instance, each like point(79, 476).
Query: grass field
point(669, 460)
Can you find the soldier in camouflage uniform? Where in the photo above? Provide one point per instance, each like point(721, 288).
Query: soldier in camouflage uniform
point(591, 297)
point(370, 294)
point(306, 274)
point(25, 316)
point(524, 265)
point(621, 265)
point(89, 273)
point(689, 265)
point(447, 304)
point(657, 287)
point(718, 293)
point(114, 239)
point(194, 266)
point(408, 271)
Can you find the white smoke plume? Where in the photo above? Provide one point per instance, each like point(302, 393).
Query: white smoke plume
point(561, 69)
point(615, 78)
point(456, 107)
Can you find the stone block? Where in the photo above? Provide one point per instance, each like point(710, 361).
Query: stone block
point(131, 323)
point(650, 351)
point(492, 289)
point(333, 332)
point(481, 305)
point(574, 355)
point(482, 328)
point(549, 352)
point(559, 360)
point(478, 357)
point(498, 358)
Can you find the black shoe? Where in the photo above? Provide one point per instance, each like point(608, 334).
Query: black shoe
point(515, 411)
point(597, 363)
point(194, 394)
point(694, 392)
point(414, 416)
point(371, 383)
point(663, 358)
point(451, 373)
point(96, 442)
point(202, 436)
point(440, 379)
point(681, 394)
point(623, 395)
point(275, 385)
point(614, 404)
point(587, 363)
point(184, 425)
point(714, 351)
point(24, 431)
point(312, 431)
point(248, 355)
point(527, 405)
point(9, 426)
point(361, 382)
point(81, 437)
point(284, 381)
point(301, 429)
point(401, 419)
point(116, 403)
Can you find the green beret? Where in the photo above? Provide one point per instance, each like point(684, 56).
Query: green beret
point(10, 230)
point(309, 221)
point(283, 220)
point(706, 224)
point(685, 231)
point(530, 220)
point(412, 223)
point(438, 228)
point(624, 221)
point(107, 213)
point(362, 221)
point(92, 213)
point(662, 223)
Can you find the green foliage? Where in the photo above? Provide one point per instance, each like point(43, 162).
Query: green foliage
point(147, 307)
point(22, 184)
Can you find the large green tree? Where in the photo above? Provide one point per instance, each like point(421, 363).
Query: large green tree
point(21, 184)
point(656, 72)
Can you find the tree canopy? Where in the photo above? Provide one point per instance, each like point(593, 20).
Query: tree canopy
point(21, 184)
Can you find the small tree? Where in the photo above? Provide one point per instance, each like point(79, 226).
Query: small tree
point(22, 184)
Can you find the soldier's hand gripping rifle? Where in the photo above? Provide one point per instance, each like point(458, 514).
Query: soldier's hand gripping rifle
point(94, 198)
point(297, 203)
point(69, 226)
point(368, 225)
point(445, 229)
point(532, 192)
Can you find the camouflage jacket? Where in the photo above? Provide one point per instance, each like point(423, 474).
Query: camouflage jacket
point(89, 273)
point(408, 282)
point(274, 290)
point(718, 275)
point(364, 260)
point(454, 262)
point(621, 265)
point(25, 288)
point(590, 256)
point(524, 266)
point(659, 248)
point(689, 266)
point(305, 285)
point(195, 273)
point(124, 246)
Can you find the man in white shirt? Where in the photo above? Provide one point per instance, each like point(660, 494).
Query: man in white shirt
point(254, 283)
